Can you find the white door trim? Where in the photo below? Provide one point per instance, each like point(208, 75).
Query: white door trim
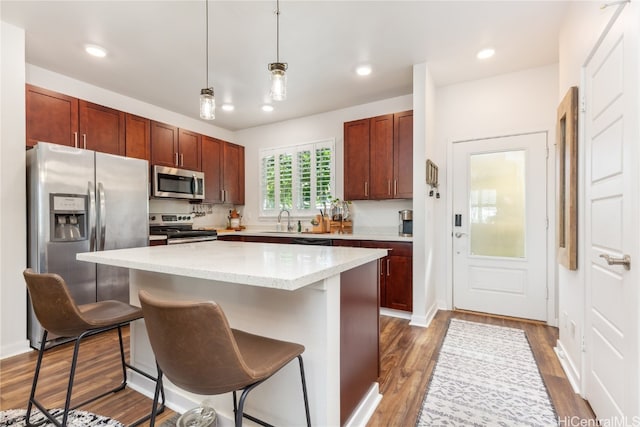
point(552, 312)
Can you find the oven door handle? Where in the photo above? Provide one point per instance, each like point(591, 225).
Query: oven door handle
point(179, 240)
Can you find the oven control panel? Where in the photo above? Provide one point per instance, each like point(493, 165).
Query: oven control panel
point(170, 219)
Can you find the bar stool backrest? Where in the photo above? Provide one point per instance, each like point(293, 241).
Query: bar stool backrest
point(53, 305)
point(194, 345)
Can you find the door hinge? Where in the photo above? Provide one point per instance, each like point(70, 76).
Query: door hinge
point(583, 105)
point(583, 345)
point(547, 152)
point(547, 223)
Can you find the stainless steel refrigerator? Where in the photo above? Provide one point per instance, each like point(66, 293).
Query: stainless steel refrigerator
point(81, 201)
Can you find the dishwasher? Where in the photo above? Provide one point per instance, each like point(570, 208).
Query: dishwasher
point(311, 241)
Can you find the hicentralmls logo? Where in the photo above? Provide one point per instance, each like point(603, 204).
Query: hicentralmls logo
point(601, 422)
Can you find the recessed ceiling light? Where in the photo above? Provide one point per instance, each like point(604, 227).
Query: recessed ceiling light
point(485, 53)
point(363, 70)
point(95, 50)
point(227, 107)
point(267, 107)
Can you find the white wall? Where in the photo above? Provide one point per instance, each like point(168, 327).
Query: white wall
point(13, 208)
point(523, 101)
point(314, 128)
point(583, 25)
point(424, 251)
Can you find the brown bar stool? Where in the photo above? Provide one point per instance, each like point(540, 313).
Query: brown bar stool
point(198, 351)
point(58, 314)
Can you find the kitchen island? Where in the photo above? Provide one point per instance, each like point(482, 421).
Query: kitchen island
point(325, 298)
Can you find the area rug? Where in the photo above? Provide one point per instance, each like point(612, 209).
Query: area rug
point(16, 417)
point(486, 375)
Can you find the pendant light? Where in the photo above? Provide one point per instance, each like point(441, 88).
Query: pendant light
point(207, 100)
point(278, 69)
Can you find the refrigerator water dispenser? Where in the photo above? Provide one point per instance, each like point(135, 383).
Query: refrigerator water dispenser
point(68, 217)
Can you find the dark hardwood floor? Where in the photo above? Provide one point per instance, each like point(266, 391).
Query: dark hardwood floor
point(408, 355)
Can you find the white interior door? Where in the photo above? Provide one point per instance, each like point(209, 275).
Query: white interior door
point(500, 226)
point(611, 218)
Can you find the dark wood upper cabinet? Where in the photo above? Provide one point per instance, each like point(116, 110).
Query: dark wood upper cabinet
point(164, 144)
point(356, 160)
point(380, 154)
point(101, 128)
point(233, 174)
point(223, 167)
point(403, 155)
point(137, 137)
point(189, 150)
point(174, 147)
point(61, 119)
point(65, 120)
point(50, 117)
point(378, 157)
point(212, 152)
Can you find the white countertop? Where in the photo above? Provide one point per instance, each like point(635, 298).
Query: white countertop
point(268, 265)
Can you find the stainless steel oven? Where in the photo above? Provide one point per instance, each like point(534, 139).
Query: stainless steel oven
point(177, 183)
point(178, 228)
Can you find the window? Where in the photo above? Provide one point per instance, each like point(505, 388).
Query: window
point(298, 178)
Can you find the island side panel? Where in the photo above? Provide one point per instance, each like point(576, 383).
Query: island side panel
point(310, 316)
point(359, 335)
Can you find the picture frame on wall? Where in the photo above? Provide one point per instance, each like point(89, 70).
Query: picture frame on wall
point(567, 180)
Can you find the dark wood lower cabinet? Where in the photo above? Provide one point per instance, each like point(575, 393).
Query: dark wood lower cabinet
point(359, 336)
point(395, 270)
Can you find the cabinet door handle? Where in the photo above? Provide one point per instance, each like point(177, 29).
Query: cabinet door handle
point(222, 195)
point(84, 140)
point(181, 159)
point(75, 139)
point(381, 266)
point(389, 187)
point(176, 160)
point(366, 189)
point(395, 187)
point(388, 267)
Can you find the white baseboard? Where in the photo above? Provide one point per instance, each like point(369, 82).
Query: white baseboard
point(568, 367)
point(15, 349)
point(365, 409)
point(395, 313)
point(424, 321)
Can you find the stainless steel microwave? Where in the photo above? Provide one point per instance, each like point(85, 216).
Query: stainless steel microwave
point(178, 183)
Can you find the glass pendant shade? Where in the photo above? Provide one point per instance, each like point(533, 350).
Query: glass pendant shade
point(207, 104)
point(278, 81)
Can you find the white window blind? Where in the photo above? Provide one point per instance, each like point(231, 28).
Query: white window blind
point(298, 178)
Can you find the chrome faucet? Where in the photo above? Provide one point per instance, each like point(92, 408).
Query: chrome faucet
point(289, 226)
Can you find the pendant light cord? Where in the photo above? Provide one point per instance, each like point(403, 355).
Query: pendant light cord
point(207, 40)
point(277, 30)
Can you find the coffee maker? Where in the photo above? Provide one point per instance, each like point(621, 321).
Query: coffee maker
point(406, 223)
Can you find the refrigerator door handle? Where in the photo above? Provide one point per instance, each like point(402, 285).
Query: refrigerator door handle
point(102, 218)
point(92, 217)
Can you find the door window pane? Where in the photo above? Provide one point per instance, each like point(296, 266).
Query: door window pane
point(497, 204)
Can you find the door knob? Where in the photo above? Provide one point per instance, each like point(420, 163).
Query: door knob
point(625, 260)
point(459, 234)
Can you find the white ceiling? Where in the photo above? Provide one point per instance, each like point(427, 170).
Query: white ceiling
point(157, 48)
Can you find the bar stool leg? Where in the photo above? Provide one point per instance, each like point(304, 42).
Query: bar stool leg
point(32, 395)
point(304, 391)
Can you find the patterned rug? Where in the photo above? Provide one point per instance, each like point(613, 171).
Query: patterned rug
point(16, 417)
point(486, 376)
